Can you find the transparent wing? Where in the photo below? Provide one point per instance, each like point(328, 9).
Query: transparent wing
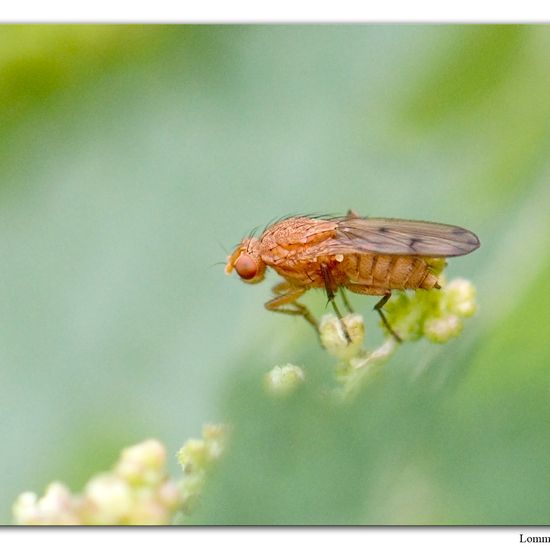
point(400, 237)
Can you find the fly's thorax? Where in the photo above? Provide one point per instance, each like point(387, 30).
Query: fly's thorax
point(247, 262)
point(295, 237)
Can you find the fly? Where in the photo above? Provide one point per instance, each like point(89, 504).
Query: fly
point(372, 256)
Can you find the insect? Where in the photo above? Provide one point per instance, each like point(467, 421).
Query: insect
point(371, 256)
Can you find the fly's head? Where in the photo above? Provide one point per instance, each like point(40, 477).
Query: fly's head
point(247, 262)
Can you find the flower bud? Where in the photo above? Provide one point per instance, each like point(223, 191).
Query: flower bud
point(56, 507)
point(333, 336)
point(442, 329)
point(142, 463)
point(109, 498)
point(461, 297)
point(283, 380)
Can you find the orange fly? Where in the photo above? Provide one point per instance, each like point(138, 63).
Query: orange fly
point(364, 255)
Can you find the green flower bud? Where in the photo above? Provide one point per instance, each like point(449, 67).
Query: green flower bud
point(193, 455)
point(196, 457)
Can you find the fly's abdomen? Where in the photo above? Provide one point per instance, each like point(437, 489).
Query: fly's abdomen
point(389, 271)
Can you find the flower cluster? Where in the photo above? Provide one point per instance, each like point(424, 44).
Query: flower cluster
point(137, 491)
point(435, 315)
point(196, 458)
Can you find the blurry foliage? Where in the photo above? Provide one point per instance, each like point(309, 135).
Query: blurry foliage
point(129, 153)
point(38, 62)
point(483, 59)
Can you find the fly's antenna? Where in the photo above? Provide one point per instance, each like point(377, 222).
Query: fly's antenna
point(220, 244)
point(222, 247)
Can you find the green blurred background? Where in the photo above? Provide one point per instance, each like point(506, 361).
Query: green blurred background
point(132, 156)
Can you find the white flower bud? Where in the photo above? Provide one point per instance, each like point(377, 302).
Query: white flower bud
point(147, 511)
point(461, 297)
point(56, 507)
point(142, 463)
point(110, 497)
point(214, 436)
point(334, 338)
point(283, 380)
point(25, 509)
point(169, 495)
point(442, 329)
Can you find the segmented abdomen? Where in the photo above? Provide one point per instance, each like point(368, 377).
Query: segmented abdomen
point(389, 272)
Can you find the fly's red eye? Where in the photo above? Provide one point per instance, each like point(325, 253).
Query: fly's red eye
point(246, 267)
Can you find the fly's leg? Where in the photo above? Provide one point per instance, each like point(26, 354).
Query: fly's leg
point(376, 291)
point(286, 302)
point(345, 300)
point(378, 307)
point(329, 287)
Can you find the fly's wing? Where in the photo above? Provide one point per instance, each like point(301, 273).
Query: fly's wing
point(400, 237)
